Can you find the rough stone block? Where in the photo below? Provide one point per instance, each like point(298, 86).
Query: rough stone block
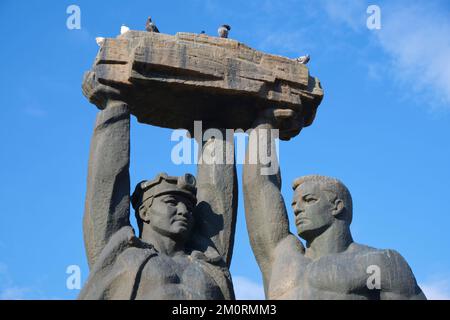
point(170, 81)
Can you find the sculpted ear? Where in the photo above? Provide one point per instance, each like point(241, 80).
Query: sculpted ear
point(144, 213)
point(338, 207)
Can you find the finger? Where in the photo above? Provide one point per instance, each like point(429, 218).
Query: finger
point(284, 113)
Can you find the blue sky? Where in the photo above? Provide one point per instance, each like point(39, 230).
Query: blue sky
point(383, 127)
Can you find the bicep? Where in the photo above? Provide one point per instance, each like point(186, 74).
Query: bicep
point(266, 214)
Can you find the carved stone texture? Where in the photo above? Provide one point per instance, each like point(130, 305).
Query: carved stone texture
point(170, 81)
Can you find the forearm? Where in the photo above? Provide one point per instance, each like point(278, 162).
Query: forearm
point(108, 183)
point(217, 194)
point(265, 210)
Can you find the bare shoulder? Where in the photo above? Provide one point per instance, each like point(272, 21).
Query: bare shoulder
point(396, 276)
point(386, 259)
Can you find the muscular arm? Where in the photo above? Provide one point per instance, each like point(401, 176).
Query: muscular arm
point(108, 183)
point(265, 210)
point(217, 194)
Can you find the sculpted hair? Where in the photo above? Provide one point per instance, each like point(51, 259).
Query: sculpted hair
point(333, 186)
point(138, 205)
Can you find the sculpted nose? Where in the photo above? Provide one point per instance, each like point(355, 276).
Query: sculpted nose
point(182, 209)
point(297, 209)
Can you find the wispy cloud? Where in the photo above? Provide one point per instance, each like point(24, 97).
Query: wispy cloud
point(416, 37)
point(246, 289)
point(34, 112)
point(414, 42)
point(14, 293)
point(436, 289)
point(351, 13)
point(293, 43)
point(10, 290)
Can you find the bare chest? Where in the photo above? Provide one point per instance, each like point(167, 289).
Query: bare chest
point(333, 277)
point(176, 278)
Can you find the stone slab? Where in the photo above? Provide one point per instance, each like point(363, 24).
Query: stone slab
point(170, 81)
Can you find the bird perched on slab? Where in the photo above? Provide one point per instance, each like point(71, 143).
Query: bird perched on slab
point(124, 29)
point(223, 30)
point(150, 26)
point(100, 40)
point(303, 59)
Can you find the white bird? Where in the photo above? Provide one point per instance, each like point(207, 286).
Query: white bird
point(100, 41)
point(223, 30)
point(124, 29)
point(303, 59)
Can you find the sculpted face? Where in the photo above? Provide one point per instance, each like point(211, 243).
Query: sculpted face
point(172, 215)
point(313, 210)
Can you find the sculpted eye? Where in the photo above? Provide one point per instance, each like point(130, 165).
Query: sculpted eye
point(171, 201)
point(310, 199)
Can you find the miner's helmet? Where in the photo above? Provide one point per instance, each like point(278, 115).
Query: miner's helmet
point(164, 184)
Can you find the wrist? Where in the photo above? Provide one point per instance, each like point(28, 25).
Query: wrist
point(114, 103)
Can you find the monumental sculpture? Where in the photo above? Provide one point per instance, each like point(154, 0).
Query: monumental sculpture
point(186, 224)
point(173, 257)
point(184, 242)
point(332, 266)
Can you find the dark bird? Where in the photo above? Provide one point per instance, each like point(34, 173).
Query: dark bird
point(303, 59)
point(223, 30)
point(150, 26)
point(203, 32)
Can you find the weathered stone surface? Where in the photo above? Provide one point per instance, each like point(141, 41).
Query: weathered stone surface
point(331, 265)
point(186, 229)
point(170, 81)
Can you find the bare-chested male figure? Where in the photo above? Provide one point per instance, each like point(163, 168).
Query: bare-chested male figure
point(186, 225)
point(332, 266)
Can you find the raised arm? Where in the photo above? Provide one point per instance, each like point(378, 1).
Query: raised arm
point(265, 210)
point(217, 193)
point(107, 206)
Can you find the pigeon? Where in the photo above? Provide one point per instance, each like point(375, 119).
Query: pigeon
point(150, 26)
point(124, 29)
point(303, 59)
point(203, 32)
point(100, 41)
point(223, 31)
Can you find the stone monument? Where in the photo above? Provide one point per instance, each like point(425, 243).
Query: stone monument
point(186, 224)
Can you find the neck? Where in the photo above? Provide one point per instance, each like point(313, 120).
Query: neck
point(162, 243)
point(335, 239)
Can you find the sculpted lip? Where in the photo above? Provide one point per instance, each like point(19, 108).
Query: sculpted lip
point(300, 220)
point(182, 220)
